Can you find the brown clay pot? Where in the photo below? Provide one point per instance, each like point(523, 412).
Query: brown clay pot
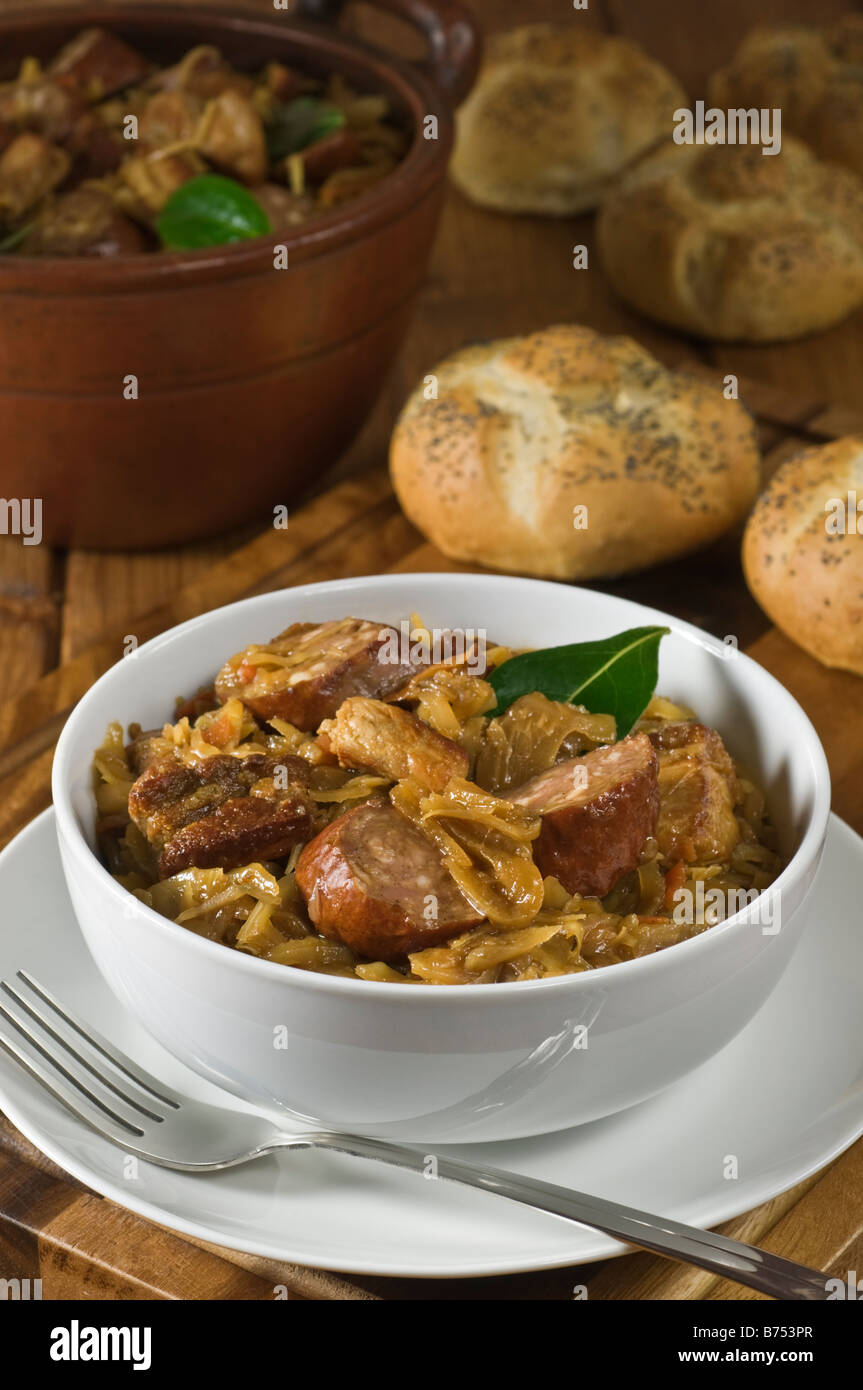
point(251, 380)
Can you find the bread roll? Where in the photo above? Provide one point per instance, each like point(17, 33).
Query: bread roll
point(812, 74)
point(555, 115)
point(728, 243)
point(806, 574)
point(570, 455)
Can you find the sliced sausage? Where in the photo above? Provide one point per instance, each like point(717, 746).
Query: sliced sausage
point(383, 739)
point(698, 790)
point(223, 811)
point(314, 667)
point(597, 811)
point(373, 881)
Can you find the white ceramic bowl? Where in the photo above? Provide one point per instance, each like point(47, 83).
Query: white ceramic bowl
point(430, 1063)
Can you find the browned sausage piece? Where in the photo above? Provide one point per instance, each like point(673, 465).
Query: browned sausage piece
point(83, 222)
point(230, 135)
point(148, 747)
point(376, 883)
point(386, 740)
point(47, 106)
point(29, 169)
point(698, 790)
point(282, 82)
point(283, 208)
point(168, 118)
point(204, 73)
point(338, 150)
point(306, 672)
point(243, 830)
point(147, 181)
point(223, 812)
point(100, 62)
point(96, 149)
point(597, 811)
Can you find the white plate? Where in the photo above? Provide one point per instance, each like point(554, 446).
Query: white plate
point(783, 1099)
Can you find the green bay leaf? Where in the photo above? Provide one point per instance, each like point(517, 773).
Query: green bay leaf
point(299, 123)
point(615, 675)
point(210, 210)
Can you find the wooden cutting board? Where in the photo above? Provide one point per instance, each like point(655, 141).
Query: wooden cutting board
point(63, 619)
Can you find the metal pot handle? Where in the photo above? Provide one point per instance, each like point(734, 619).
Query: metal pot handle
point(451, 30)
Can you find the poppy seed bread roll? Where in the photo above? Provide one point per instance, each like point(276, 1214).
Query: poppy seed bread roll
point(555, 114)
point(803, 552)
point(571, 456)
point(812, 75)
point(729, 243)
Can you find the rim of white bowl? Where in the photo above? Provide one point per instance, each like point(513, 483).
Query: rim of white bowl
point(804, 856)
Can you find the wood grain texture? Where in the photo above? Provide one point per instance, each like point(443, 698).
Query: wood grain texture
point(63, 620)
point(31, 602)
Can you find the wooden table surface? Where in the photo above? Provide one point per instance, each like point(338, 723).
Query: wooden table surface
point(63, 616)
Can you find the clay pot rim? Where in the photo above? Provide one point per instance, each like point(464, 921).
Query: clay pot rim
point(417, 173)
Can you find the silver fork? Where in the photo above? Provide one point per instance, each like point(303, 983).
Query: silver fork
point(144, 1117)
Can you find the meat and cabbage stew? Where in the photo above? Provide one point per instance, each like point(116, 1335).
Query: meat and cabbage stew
point(102, 153)
point(381, 802)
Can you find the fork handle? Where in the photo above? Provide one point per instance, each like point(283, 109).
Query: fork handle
point(746, 1264)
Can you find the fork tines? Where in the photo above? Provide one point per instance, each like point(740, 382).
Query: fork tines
point(60, 1052)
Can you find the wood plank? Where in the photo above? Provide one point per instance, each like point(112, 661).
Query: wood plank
point(831, 700)
point(823, 1230)
point(300, 1280)
point(95, 1248)
point(29, 613)
point(103, 589)
point(24, 793)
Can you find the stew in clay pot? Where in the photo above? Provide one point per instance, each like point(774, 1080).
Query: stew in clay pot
point(103, 153)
